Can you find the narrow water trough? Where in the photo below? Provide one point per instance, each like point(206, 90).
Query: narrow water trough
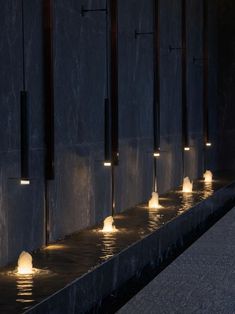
point(75, 275)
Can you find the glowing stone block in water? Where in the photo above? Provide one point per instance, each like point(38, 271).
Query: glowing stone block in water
point(109, 225)
point(208, 176)
point(154, 201)
point(187, 185)
point(25, 264)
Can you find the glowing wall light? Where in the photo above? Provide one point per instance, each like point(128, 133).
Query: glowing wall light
point(187, 149)
point(208, 144)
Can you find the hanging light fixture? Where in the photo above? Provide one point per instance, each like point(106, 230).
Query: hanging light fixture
point(24, 136)
point(187, 185)
point(154, 201)
point(184, 78)
point(112, 76)
point(205, 76)
point(208, 175)
point(111, 154)
point(107, 133)
point(156, 82)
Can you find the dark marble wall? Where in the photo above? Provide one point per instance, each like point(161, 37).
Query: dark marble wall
point(226, 84)
point(22, 207)
point(80, 194)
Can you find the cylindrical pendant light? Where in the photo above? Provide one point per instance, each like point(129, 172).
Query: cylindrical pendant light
point(111, 154)
point(156, 89)
point(185, 140)
point(107, 133)
point(24, 128)
point(206, 134)
point(107, 109)
point(113, 6)
point(156, 85)
point(156, 80)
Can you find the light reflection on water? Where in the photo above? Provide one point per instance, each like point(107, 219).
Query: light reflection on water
point(187, 202)
point(24, 285)
point(208, 190)
point(153, 220)
point(108, 245)
point(146, 220)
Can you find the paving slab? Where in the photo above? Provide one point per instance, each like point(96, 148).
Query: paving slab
point(201, 280)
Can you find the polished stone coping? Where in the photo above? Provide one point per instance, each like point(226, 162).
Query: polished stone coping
point(87, 266)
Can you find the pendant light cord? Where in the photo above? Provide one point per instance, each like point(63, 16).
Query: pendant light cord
point(23, 43)
point(107, 51)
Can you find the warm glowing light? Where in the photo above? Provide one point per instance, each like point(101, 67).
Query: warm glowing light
point(154, 201)
point(107, 164)
point(24, 182)
point(157, 154)
point(187, 185)
point(187, 148)
point(208, 144)
point(25, 264)
point(109, 225)
point(55, 247)
point(208, 176)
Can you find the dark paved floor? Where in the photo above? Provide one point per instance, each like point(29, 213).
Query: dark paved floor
point(201, 280)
